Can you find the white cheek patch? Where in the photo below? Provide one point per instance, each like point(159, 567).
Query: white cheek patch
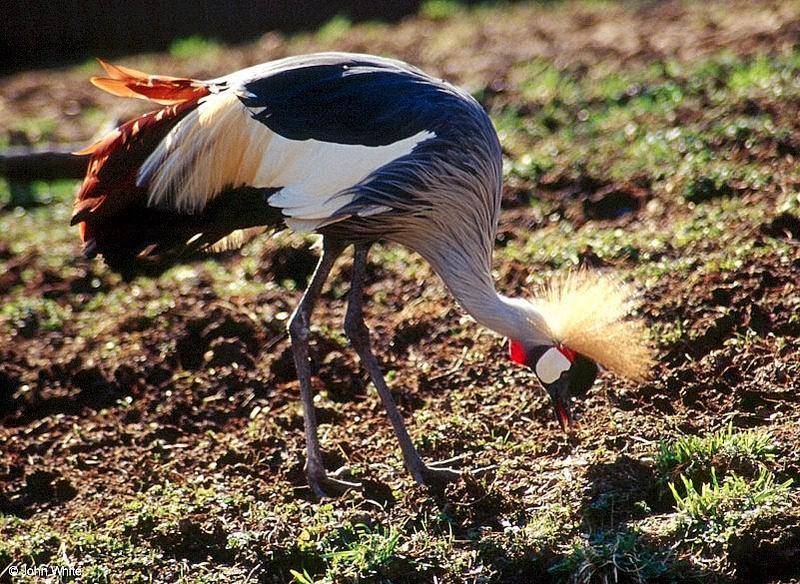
point(551, 365)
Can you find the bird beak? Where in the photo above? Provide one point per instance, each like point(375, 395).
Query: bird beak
point(559, 393)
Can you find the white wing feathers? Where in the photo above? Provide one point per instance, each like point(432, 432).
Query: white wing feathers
point(216, 146)
point(219, 145)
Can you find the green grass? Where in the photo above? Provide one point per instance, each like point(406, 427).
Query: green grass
point(94, 547)
point(616, 556)
point(333, 551)
point(34, 314)
point(693, 136)
point(440, 9)
point(335, 28)
point(689, 455)
point(544, 84)
point(35, 128)
point(651, 251)
point(720, 483)
point(717, 510)
point(753, 75)
point(194, 47)
point(360, 551)
point(624, 125)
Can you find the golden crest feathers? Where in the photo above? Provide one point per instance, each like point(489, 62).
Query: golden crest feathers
point(590, 313)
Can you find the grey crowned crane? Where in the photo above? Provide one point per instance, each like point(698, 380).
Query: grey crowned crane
point(358, 149)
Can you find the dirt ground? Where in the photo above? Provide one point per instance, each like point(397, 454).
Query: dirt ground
point(151, 430)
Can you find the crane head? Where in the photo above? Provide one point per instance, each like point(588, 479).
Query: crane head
point(563, 372)
point(581, 322)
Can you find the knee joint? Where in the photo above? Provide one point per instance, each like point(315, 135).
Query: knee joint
point(356, 330)
point(298, 328)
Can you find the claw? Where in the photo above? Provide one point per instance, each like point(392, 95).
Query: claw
point(326, 485)
point(436, 472)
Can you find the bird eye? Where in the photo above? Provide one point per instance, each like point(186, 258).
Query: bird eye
point(582, 375)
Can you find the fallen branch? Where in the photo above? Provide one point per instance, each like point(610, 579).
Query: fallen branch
point(25, 164)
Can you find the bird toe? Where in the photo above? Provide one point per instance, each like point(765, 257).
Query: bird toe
point(440, 474)
point(326, 485)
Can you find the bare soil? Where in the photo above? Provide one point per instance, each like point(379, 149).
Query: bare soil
point(181, 382)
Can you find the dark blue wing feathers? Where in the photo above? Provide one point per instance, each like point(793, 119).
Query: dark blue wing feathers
point(350, 102)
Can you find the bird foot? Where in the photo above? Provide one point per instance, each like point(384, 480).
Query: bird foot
point(437, 472)
point(330, 485)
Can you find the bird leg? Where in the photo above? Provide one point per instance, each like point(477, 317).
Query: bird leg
point(299, 332)
point(358, 333)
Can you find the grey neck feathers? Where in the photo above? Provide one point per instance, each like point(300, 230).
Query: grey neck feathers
point(453, 227)
point(514, 318)
point(471, 284)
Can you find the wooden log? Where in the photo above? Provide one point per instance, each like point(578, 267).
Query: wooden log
point(25, 164)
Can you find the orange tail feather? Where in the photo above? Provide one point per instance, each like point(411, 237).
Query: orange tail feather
point(110, 188)
point(126, 82)
point(111, 207)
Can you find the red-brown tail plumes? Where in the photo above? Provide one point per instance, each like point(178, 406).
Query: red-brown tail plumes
point(126, 82)
point(113, 207)
point(109, 189)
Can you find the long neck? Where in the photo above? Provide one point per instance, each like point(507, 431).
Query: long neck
point(462, 202)
point(468, 277)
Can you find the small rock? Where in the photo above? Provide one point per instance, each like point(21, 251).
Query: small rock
point(784, 226)
point(612, 202)
point(224, 352)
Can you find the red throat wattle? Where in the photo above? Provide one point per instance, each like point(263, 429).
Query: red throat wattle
point(517, 352)
point(567, 352)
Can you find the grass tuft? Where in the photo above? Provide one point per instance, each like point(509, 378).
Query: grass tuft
point(693, 455)
point(713, 513)
point(349, 552)
point(440, 9)
point(193, 47)
point(29, 315)
point(335, 28)
point(612, 557)
point(362, 550)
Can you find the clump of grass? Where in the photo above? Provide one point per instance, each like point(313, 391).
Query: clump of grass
point(713, 512)
point(363, 549)
point(440, 9)
point(335, 28)
point(36, 128)
point(351, 553)
point(29, 315)
point(193, 47)
point(33, 194)
point(530, 166)
point(756, 74)
point(542, 82)
point(720, 482)
point(613, 557)
point(692, 456)
point(302, 577)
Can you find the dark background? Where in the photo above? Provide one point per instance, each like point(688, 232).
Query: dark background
point(38, 33)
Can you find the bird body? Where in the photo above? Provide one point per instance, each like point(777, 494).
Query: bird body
point(329, 137)
point(354, 147)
